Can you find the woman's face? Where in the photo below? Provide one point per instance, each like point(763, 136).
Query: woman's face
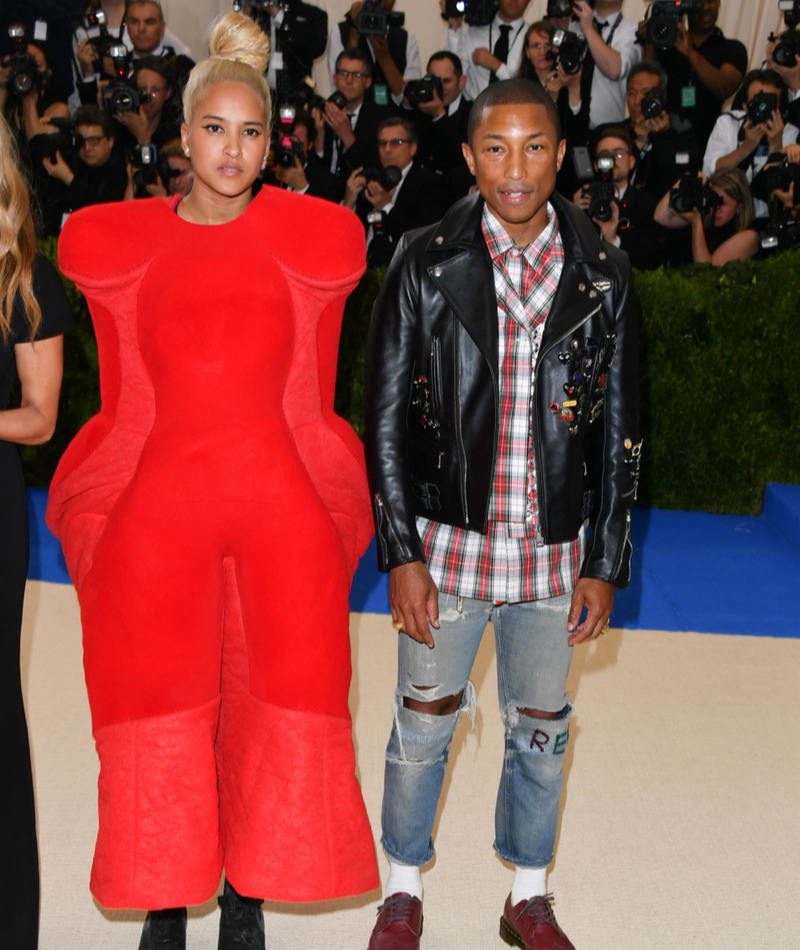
point(227, 139)
point(726, 211)
point(538, 47)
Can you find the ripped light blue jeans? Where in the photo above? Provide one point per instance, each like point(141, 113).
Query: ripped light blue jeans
point(533, 660)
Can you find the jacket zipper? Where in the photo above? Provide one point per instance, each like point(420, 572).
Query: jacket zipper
point(379, 532)
point(381, 507)
point(540, 496)
point(435, 373)
point(461, 450)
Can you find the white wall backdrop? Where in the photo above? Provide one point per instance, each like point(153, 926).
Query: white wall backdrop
point(747, 20)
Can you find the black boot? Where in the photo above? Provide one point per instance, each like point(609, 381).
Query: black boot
point(164, 930)
point(241, 924)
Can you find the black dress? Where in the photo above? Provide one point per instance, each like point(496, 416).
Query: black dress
point(19, 862)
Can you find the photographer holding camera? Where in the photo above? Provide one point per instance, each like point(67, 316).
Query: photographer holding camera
point(397, 197)
point(29, 93)
point(656, 133)
point(349, 136)
point(491, 46)
point(754, 129)
point(718, 212)
point(622, 213)
point(298, 34)
point(142, 30)
point(97, 174)
point(297, 167)
point(441, 113)
point(613, 51)
point(704, 67)
point(783, 55)
point(373, 27)
point(153, 78)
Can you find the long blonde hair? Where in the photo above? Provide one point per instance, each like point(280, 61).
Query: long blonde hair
point(239, 51)
point(17, 238)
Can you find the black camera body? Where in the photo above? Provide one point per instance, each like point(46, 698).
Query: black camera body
point(692, 191)
point(601, 190)
point(474, 12)
point(65, 140)
point(24, 75)
point(780, 177)
point(568, 50)
point(424, 90)
point(96, 29)
point(374, 20)
point(559, 8)
point(120, 96)
point(258, 5)
point(787, 51)
point(287, 147)
point(761, 107)
point(387, 178)
point(653, 103)
point(665, 15)
point(782, 235)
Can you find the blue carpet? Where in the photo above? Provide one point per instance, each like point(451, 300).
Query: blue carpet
point(692, 571)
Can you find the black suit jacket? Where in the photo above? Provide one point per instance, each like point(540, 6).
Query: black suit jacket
point(645, 241)
point(420, 202)
point(363, 153)
point(302, 37)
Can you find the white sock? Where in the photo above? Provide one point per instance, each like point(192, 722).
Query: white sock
point(528, 883)
point(404, 879)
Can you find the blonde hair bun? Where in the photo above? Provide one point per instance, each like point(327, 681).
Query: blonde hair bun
point(238, 38)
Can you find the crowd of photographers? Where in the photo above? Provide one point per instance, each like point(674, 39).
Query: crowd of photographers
point(654, 160)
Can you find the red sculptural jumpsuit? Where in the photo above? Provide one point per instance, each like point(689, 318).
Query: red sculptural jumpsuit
point(212, 515)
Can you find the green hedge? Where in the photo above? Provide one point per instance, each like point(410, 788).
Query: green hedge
point(720, 381)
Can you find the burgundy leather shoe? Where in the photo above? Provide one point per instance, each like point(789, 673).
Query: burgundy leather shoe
point(532, 925)
point(399, 924)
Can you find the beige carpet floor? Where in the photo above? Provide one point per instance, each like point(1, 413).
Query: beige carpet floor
point(680, 824)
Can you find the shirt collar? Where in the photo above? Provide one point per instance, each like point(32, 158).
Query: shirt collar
point(500, 242)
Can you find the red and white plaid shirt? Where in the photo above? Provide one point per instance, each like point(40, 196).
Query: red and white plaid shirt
point(510, 563)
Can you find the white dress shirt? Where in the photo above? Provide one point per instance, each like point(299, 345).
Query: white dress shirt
point(608, 95)
point(465, 40)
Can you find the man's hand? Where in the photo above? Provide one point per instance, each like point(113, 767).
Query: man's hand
point(86, 57)
point(156, 189)
point(609, 228)
point(413, 598)
point(354, 187)
point(775, 128)
point(598, 598)
point(337, 119)
point(683, 44)
point(792, 153)
point(581, 199)
point(481, 56)
point(453, 22)
point(434, 108)
point(137, 123)
point(753, 134)
point(659, 123)
point(58, 168)
point(380, 46)
point(377, 196)
point(294, 177)
point(585, 14)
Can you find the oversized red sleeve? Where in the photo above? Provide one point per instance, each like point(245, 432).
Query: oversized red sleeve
point(97, 250)
point(331, 451)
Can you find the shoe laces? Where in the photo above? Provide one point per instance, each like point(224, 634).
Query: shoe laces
point(398, 907)
point(539, 910)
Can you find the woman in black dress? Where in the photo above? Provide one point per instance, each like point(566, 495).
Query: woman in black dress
point(34, 312)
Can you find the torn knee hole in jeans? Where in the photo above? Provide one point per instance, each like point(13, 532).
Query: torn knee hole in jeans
point(514, 715)
point(469, 702)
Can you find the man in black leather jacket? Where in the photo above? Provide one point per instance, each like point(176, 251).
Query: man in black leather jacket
point(502, 414)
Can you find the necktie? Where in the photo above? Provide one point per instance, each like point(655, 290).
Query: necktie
point(501, 47)
point(599, 26)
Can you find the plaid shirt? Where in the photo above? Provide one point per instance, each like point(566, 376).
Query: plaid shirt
point(510, 563)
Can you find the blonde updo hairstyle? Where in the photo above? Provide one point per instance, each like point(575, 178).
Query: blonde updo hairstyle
point(239, 52)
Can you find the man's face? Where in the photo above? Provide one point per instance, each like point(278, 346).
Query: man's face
point(514, 156)
point(638, 87)
point(706, 21)
point(96, 147)
point(394, 147)
point(150, 83)
point(451, 83)
point(301, 134)
point(352, 81)
point(512, 9)
point(623, 160)
point(145, 26)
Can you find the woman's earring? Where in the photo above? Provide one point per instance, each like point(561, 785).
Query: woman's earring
point(186, 150)
point(264, 163)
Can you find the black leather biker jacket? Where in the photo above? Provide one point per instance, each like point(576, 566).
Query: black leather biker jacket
point(432, 392)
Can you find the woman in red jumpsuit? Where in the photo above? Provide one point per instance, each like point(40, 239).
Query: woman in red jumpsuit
point(212, 515)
